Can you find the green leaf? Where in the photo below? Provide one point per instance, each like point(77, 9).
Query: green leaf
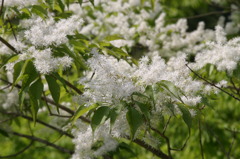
point(145, 109)
point(142, 2)
point(54, 88)
point(51, 3)
point(17, 70)
point(149, 91)
point(9, 59)
point(61, 5)
point(92, 1)
point(21, 98)
point(4, 133)
point(39, 10)
point(56, 75)
point(82, 110)
point(28, 74)
point(171, 107)
point(80, 2)
point(153, 4)
point(113, 116)
point(35, 94)
point(171, 89)
point(26, 11)
point(67, 3)
point(134, 119)
point(99, 116)
point(186, 115)
point(113, 37)
point(29, 70)
point(140, 95)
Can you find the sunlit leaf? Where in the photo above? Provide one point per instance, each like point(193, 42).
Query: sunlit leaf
point(134, 119)
point(99, 116)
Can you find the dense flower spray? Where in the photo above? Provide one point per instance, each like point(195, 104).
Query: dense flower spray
point(161, 82)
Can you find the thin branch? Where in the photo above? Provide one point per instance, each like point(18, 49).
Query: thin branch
point(165, 127)
point(183, 146)
point(64, 108)
point(58, 105)
point(17, 86)
point(48, 125)
point(48, 100)
point(200, 138)
point(38, 121)
point(20, 152)
point(166, 138)
point(61, 116)
point(3, 121)
point(212, 84)
point(71, 86)
point(5, 87)
point(9, 45)
point(1, 10)
point(33, 138)
point(234, 86)
point(156, 152)
point(231, 146)
point(208, 14)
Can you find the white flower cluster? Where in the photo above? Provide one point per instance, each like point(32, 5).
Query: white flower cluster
point(45, 63)
point(43, 33)
point(85, 140)
point(110, 81)
point(108, 73)
point(142, 26)
point(9, 99)
point(224, 54)
point(19, 3)
point(39, 33)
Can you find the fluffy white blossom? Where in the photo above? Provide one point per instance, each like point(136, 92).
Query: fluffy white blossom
point(19, 3)
point(45, 63)
point(11, 99)
point(48, 32)
point(85, 140)
point(225, 55)
point(109, 80)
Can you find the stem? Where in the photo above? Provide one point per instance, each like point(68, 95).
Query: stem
point(70, 85)
point(212, 84)
point(1, 10)
point(64, 108)
point(9, 45)
point(18, 153)
point(40, 122)
point(200, 138)
point(208, 14)
point(33, 138)
point(156, 152)
point(165, 127)
point(166, 138)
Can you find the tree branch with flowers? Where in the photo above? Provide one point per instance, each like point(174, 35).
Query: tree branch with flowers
point(114, 79)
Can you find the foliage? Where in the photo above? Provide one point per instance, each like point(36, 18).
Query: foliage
point(119, 79)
